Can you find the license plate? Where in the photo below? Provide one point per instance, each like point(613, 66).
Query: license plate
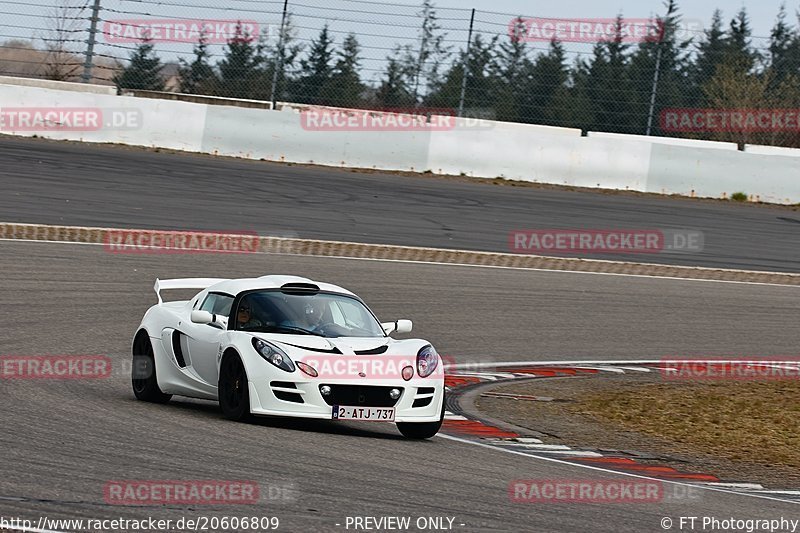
point(365, 414)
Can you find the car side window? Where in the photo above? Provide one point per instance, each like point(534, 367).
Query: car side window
point(208, 303)
point(218, 304)
point(223, 305)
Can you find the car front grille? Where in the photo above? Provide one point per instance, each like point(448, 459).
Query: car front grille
point(360, 395)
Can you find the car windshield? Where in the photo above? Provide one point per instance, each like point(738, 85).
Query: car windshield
point(321, 314)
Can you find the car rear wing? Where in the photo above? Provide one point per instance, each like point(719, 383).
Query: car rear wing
point(188, 283)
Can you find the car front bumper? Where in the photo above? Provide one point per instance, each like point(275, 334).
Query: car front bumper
point(420, 400)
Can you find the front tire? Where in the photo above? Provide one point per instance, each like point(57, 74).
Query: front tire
point(143, 373)
point(233, 389)
point(421, 430)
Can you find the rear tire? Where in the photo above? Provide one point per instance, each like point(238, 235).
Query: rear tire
point(421, 430)
point(233, 389)
point(143, 373)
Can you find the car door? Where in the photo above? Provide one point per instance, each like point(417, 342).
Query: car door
point(204, 340)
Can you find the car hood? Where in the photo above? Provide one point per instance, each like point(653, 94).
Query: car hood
point(344, 345)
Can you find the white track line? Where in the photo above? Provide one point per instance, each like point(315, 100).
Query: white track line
point(543, 447)
point(573, 453)
point(614, 363)
point(740, 486)
point(491, 376)
point(436, 263)
point(612, 369)
point(614, 472)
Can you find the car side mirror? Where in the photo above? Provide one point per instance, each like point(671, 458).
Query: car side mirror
point(398, 326)
point(203, 317)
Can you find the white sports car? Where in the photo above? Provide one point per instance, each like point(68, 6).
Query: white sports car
point(287, 346)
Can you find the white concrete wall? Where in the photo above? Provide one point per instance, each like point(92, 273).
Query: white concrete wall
point(489, 149)
point(280, 136)
point(771, 150)
point(539, 154)
point(161, 123)
point(59, 85)
point(481, 149)
point(674, 141)
point(717, 173)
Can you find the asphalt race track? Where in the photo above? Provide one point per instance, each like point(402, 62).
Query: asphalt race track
point(62, 441)
point(49, 182)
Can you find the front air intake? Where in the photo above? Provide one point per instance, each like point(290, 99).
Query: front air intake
point(375, 351)
point(286, 391)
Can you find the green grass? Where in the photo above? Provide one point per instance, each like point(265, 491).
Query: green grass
point(739, 197)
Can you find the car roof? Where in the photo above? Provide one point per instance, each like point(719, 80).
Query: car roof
point(236, 286)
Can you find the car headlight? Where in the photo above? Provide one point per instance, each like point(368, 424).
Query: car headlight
point(427, 361)
point(273, 354)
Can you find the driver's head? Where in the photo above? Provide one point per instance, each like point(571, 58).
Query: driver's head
point(244, 313)
point(314, 310)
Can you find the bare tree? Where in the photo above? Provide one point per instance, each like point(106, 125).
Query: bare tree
point(65, 25)
point(424, 65)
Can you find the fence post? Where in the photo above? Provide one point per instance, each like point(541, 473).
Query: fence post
point(664, 25)
point(654, 91)
point(86, 77)
point(279, 59)
point(466, 66)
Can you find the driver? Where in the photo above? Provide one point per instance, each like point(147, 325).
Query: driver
point(315, 313)
point(244, 316)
